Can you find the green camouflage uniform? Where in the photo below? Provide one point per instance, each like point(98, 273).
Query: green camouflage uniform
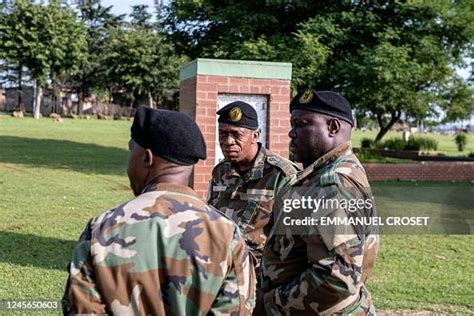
point(164, 253)
point(248, 199)
point(323, 270)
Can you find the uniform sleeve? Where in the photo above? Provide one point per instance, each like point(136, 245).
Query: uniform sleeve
point(237, 293)
point(81, 295)
point(326, 282)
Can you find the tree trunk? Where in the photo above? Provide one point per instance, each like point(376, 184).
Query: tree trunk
point(109, 100)
point(39, 97)
point(150, 100)
point(384, 129)
point(62, 106)
point(19, 90)
point(80, 102)
point(57, 97)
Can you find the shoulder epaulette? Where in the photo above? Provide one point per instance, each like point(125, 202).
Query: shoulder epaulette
point(285, 165)
point(342, 167)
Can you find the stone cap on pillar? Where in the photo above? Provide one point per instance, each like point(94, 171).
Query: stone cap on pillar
point(236, 68)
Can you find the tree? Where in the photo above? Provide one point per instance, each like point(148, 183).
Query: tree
point(20, 43)
point(139, 60)
point(140, 17)
point(457, 100)
point(98, 20)
point(387, 57)
point(47, 40)
point(141, 63)
point(66, 40)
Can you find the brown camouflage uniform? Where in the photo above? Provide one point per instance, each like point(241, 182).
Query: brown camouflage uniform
point(323, 270)
point(248, 199)
point(164, 253)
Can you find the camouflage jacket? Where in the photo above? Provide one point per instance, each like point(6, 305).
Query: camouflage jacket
point(248, 199)
point(321, 269)
point(163, 253)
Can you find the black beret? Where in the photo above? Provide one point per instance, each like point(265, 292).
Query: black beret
point(325, 102)
point(170, 135)
point(240, 114)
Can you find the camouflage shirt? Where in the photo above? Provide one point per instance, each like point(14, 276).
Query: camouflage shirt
point(163, 253)
point(322, 269)
point(248, 198)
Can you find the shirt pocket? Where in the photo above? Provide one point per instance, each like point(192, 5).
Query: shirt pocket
point(254, 216)
point(216, 193)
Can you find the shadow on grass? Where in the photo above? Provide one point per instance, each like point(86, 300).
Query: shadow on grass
point(37, 251)
point(60, 154)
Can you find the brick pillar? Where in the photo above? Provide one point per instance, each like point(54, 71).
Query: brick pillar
point(203, 80)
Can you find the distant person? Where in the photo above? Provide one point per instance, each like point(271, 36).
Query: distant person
point(244, 185)
point(165, 252)
point(321, 269)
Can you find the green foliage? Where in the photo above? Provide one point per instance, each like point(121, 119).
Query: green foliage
point(421, 143)
point(140, 61)
point(387, 57)
point(457, 100)
point(66, 40)
point(97, 21)
point(140, 16)
point(461, 140)
point(414, 143)
point(21, 41)
point(446, 145)
point(47, 40)
point(394, 144)
point(368, 156)
point(367, 143)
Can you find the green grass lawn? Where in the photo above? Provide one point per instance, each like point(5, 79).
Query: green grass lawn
point(54, 177)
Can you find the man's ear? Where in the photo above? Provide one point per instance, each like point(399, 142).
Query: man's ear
point(148, 158)
point(334, 126)
point(255, 136)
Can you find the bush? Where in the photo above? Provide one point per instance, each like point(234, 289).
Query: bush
point(393, 144)
point(414, 143)
point(471, 155)
point(367, 143)
point(421, 143)
point(461, 140)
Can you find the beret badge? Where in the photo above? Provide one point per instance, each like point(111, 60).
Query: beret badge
point(306, 97)
point(235, 114)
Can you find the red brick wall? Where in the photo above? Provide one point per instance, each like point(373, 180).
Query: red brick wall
point(429, 171)
point(198, 98)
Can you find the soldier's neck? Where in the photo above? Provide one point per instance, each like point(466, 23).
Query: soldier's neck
point(248, 162)
point(174, 174)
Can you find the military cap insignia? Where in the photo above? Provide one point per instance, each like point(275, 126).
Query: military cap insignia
point(307, 96)
point(235, 114)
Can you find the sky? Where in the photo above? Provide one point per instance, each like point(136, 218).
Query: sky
point(465, 72)
point(125, 7)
